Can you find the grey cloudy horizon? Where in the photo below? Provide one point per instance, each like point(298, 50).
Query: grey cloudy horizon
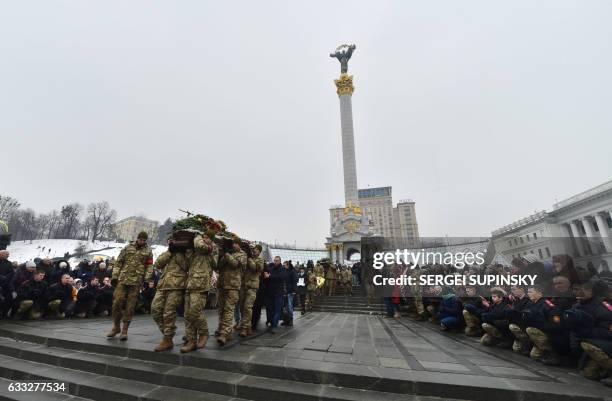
point(482, 112)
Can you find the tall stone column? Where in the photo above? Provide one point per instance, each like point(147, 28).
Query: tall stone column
point(603, 231)
point(590, 235)
point(345, 90)
point(577, 238)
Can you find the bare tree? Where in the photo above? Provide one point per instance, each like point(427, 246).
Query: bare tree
point(54, 224)
point(43, 221)
point(100, 218)
point(8, 206)
point(27, 221)
point(69, 220)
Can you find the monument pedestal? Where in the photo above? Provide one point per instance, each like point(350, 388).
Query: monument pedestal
point(346, 234)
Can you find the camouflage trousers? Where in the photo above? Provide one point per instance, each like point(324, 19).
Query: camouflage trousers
point(520, 338)
point(246, 307)
point(541, 343)
point(195, 321)
point(491, 336)
point(330, 286)
point(346, 287)
point(472, 324)
point(163, 310)
point(226, 321)
point(598, 365)
point(220, 303)
point(418, 303)
point(29, 310)
point(309, 300)
point(125, 298)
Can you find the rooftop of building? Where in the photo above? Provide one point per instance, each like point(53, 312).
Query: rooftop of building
point(137, 218)
point(589, 193)
point(536, 217)
point(374, 192)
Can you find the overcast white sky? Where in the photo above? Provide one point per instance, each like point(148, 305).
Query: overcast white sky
point(480, 111)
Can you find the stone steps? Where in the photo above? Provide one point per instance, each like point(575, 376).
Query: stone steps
point(98, 376)
point(349, 308)
point(352, 311)
point(345, 304)
point(328, 301)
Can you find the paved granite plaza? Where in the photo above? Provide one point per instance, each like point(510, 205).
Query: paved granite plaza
point(324, 356)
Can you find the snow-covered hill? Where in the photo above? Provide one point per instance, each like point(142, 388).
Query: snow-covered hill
point(22, 251)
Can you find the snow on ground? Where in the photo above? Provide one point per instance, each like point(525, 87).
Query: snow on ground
point(22, 251)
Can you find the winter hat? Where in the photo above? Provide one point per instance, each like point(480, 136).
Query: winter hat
point(102, 265)
point(143, 235)
point(63, 265)
point(498, 291)
point(30, 264)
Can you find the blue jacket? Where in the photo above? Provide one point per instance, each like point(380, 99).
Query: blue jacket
point(450, 306)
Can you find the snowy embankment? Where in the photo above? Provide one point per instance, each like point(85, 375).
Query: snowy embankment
point(22, 251)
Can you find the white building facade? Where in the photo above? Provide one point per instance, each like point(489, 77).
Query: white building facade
point(580, 226)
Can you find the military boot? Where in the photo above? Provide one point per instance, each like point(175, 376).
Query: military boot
point(188, 347)
point(165, 344)
point(243, 333)
point(535, 353)
point(124, 331)
point(222, 340)
point(34, 314)
point(520, 338)
point(472, 331)
point(517, 345)
point(54, 308)
point(115, 330)
point(202, 342)
point(488, 340)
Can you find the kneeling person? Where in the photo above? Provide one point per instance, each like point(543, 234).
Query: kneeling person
point(61, 298)
point(31, 296)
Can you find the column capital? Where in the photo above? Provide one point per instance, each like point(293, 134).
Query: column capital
point(344, 85)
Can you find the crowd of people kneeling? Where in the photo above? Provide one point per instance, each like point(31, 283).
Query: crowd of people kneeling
point(564, 318)
point(47, 288)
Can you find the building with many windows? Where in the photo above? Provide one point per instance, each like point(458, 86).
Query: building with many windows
point(389, 221)
point(128, 228)
point(580, 226)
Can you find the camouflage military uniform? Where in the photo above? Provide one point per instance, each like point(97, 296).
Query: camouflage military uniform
point(599, 362)
point(330, 280)
point(417, 293)
point(250, 285)
point(318, 271)
point(231, 270)
point(311, 288)
point(133, 266)
point(169, 295)
point(220, 295)
point(347, 278)
point(203, 261)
